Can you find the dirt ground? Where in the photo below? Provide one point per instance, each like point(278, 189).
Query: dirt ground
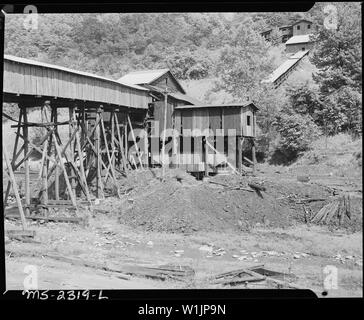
point(203, 225)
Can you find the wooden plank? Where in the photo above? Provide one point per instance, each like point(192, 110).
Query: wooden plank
point(232, 147)
point(232, 119)
point(187, 118)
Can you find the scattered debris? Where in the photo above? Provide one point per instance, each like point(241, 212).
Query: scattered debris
point(236, 277)
point(255, 274)
point(337, 208)
point(150, 243)
point(256, 186)
point(21, 235)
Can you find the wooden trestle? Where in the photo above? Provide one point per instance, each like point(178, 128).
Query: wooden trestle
point(82, 166)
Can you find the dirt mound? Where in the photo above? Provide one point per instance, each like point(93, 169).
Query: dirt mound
point(183, 204)
point(174, 207)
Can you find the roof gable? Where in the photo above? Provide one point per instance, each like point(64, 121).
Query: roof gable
point(302, 20)
point(149, 77)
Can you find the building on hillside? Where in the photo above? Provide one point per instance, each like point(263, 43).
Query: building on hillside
point(221, 135)
point(286, 32)
point(185, 112)
point(300, 27)
point(299, 43)
point(157, 81)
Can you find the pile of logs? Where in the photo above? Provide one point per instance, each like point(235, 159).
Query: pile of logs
point(339, 208)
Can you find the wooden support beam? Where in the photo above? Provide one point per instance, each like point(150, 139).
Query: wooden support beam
point(107, 152)
point(15, 156)
point(70, 135)
point(135, 143)
point(126, 145)
point(99, 187)
point(228, 163)
point(120, 145)
point(29, 153)
point(56, 173)
point(69, 187)
point(82, 170)
point(44, 193)
point(27, 176)
point(63, 151)
point(253, 156)
point(15, 188)
point(239, 154)
point(112, 137)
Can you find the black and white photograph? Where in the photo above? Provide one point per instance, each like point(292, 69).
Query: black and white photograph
point(183, 150)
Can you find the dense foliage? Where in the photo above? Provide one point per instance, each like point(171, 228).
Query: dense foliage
point(227, 48)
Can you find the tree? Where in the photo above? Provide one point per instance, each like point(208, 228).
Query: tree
point(244, 62)
point(337, 56)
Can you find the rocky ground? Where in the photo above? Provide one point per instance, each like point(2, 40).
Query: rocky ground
point(212, 226)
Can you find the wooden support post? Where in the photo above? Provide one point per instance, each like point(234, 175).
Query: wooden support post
point(112, 138)
point(108, 153)
point(126, 144)
point(239, 154)
point(206, 152)
point(44, 194)
point(15, 156)
point(82, 170)
point(56, 179)
point(121, 145)
point(26, 165)
point(69, 187)
point(164, 130)
point(71, 111)
point(99, 188)
point(135, 143)
point(15, 188)
point(253, 156)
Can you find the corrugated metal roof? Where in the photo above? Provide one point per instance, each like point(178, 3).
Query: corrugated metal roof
point(52, 66)
point(143, 76)
point(299, 39)
point(243, 104)
point(285, 66)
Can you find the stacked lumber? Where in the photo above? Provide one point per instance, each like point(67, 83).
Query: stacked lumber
point(339, 208)
point(236, 277)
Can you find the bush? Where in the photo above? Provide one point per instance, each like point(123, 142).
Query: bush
point(296, 132)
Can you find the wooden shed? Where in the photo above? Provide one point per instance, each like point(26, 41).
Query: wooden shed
point(222, 129)
point(241, 117)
